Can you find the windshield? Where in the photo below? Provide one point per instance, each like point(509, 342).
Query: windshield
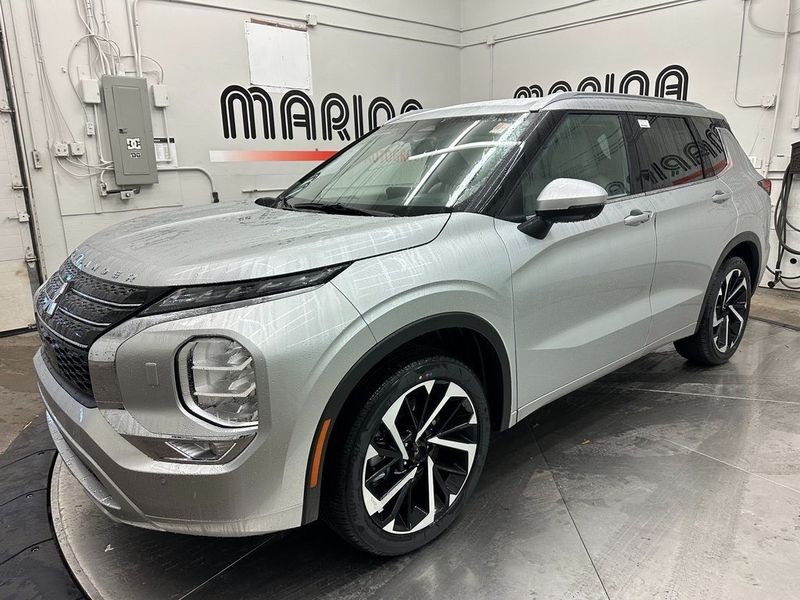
point(419, 167)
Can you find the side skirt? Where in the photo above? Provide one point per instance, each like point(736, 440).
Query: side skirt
point(533, 406)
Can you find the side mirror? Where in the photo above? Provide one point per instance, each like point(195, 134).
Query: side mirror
point(562, 201)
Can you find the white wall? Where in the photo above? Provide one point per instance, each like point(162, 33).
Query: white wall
point(435, 52)
point(202, 48)
point(617, 36)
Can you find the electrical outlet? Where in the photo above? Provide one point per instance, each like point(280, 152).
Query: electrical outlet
point(89, 128)
point(77, 149)
point(36, 157)
point(60, 149)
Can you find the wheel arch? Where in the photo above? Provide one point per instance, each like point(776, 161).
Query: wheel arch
point(747, 246)
point(491, 349)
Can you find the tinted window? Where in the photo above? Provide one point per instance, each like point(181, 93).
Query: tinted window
point(588, 147)
point(668, 154)
point(710, 145)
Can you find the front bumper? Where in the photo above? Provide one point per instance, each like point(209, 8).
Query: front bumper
point(303, 345)
point(213, 500)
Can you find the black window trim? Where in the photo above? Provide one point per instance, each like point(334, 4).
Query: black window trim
point(503, 194)
point(687, 119)
point(708, 170)
point(536, 142)
point(717, 124)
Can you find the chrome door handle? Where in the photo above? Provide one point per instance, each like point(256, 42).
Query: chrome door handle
point(637, 217)
point(719, 197)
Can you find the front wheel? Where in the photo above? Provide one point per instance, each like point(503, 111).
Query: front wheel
point(411, 457)
point(722, 324)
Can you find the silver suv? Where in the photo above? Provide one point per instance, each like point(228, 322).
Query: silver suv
point(345, 350)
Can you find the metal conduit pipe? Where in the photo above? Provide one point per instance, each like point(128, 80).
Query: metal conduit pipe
point(214, 193)
point(271, 15)
point(527, 15)
point(359, 11)
point(781, 71)
point(587, 21)
point(739, 64)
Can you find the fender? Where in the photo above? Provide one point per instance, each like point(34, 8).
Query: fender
point(370, 360)
point(747, 236)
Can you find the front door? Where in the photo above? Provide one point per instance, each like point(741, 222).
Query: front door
point(581, 294)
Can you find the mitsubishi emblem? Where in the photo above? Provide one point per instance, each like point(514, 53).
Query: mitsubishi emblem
point(52, 302)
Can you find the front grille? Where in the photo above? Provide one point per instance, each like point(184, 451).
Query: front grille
point(73, 309)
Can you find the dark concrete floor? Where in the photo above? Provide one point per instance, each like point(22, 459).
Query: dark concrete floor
point(777, 306)
point(19, 396)
point(661, 480)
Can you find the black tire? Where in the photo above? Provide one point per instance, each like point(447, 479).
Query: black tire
point(706, 346)
point(409, 386)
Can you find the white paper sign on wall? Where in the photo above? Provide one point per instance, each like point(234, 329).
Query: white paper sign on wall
point(280, 57)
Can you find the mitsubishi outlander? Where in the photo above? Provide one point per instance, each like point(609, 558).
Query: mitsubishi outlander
point(346, 349)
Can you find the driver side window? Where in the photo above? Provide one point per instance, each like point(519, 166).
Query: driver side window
point(584, 146)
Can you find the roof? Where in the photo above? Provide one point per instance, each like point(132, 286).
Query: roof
point(563, 101)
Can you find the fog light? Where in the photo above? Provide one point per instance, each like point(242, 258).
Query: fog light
point(218, 381)
point(219, 451)
point(201, 451)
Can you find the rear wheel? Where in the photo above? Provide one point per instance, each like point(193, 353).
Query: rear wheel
point(411, 457)
point(722, 325)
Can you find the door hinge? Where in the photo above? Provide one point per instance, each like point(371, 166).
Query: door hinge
point(5, 108)
point(16, 184)
point(22, 217)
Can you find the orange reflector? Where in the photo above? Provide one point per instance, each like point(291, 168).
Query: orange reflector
point(313, 479)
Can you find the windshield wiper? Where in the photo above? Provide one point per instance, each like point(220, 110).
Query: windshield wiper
point(337, 208)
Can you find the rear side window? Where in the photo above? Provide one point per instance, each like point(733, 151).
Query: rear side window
point(710, 146)
point(584, 146)
point(668, 153)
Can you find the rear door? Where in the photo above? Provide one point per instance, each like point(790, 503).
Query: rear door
point(695, 217)
point(581, 294)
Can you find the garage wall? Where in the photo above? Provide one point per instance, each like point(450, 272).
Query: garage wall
point(409, 52)
point(433, 52)
point(568, 41)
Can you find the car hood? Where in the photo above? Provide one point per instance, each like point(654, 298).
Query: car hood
point(236, 241)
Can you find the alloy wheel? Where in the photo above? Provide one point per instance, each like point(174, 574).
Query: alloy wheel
point(730, 310)
point(420, 457)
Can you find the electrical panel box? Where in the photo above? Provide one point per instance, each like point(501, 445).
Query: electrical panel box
point(130, 129)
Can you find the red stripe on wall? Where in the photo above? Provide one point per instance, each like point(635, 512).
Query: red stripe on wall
point(270, 155)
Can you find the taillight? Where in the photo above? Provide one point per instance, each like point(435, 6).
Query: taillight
point(766, 185)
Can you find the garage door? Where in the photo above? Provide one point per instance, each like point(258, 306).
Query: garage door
point(16, 305)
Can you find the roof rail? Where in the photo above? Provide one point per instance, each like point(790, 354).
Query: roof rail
point(559, 96)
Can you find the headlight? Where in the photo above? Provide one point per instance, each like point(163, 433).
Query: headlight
point(218, 381)
point(207, 295)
